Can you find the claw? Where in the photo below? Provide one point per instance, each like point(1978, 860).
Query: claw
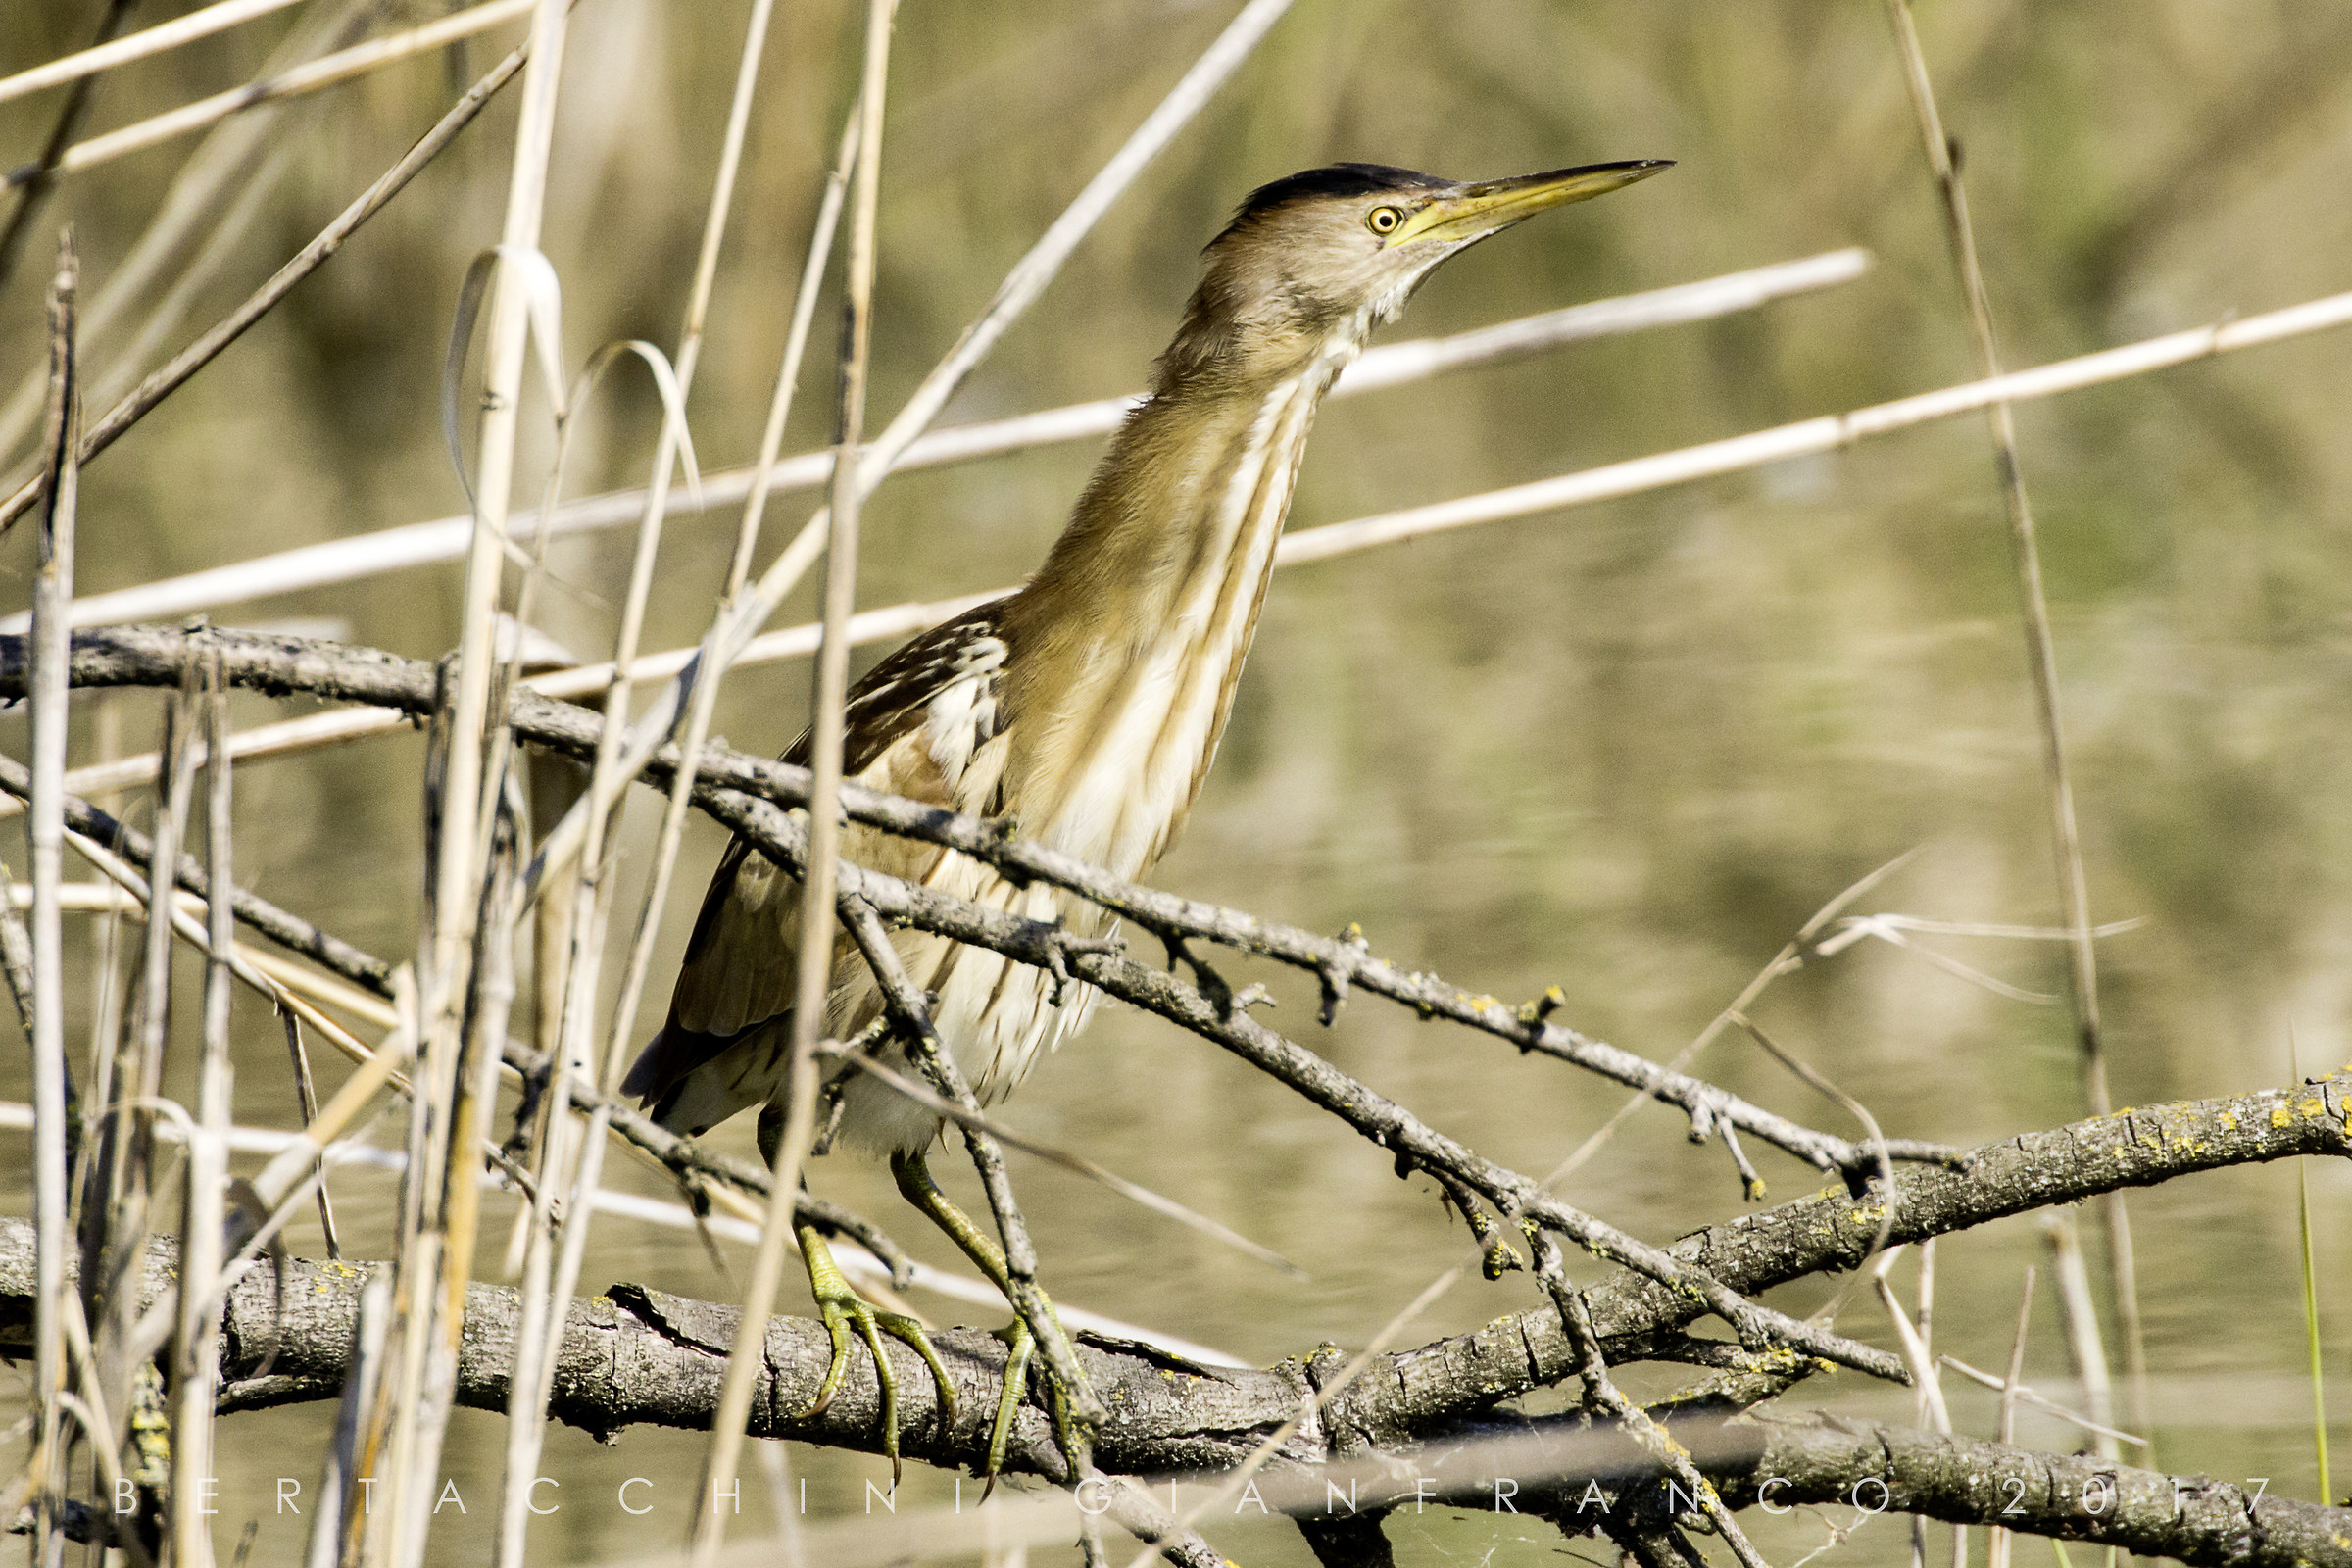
point(841, 1307)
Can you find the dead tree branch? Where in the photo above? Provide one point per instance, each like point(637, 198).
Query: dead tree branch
point(638, 1356)
point(146, 656)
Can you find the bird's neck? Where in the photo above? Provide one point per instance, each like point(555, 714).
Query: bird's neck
point(1132, 635)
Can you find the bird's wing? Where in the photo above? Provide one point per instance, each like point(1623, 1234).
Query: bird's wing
point(920, 724)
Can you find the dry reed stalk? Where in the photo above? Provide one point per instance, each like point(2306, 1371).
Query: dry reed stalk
point(829, 689)
point(706, 684)
point(2074, 887)
point(140, 45)
point(52, 592)
point(551, 1280)
point(204, 1191)
point(700, 709)
point(1708, 459)
point(2072, 1280)
point(1912, 1339)
point(429, 1291)
point(1388, 366)
point(306, 1105)
point(1996, 1540)
point(331, 1517)
point(1927, 1339)
point(765, 474)
point(116, 1224)
point(344, 65)
point(168, 379)
point(476, 1109)
point(708, 670)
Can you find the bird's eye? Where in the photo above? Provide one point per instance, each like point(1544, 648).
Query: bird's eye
point(1383, 219)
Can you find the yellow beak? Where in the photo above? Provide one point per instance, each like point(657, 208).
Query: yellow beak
point(1473, 212)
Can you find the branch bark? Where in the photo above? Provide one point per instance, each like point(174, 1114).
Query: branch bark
point(638, 1356)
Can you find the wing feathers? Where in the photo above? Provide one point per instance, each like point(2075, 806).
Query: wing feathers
point(926, 723)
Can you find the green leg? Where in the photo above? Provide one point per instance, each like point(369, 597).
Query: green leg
point(841, 1307)
point(915, 1183)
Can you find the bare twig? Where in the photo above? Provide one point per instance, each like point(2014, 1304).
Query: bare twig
point(371, 676)
point(914, 1016)
point(436, 1258)
point(2028, 1395)
point(977, 1121)
point(1602, 1400)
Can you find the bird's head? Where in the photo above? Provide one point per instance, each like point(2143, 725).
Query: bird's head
point(1328, 253)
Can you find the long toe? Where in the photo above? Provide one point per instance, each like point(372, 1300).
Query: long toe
point(1019, 1346)
point(906, 1329)
point(837, 1326)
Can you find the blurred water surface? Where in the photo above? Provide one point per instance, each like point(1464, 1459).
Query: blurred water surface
point(1626, 749)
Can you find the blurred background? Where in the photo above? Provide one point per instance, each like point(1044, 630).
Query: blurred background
point(1626, 749)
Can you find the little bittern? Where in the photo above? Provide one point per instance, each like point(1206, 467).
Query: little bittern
point(1085, 708)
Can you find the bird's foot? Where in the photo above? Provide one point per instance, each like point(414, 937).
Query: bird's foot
point(842, 1308)
point(1069, 1430)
